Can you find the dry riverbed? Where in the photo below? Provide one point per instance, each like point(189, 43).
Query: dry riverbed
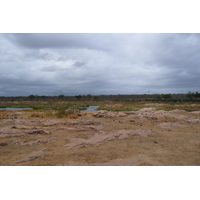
point(147, 137)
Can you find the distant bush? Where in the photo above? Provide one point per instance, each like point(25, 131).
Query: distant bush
point(78, 97)
point(166, 96)
point(31, 97)
point(61, 96)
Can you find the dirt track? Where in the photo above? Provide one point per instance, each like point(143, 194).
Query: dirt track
point(145, 137)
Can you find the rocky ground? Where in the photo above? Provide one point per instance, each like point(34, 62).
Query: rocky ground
point(145, 137)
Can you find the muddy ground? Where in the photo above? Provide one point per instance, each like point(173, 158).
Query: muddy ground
point(147, 137)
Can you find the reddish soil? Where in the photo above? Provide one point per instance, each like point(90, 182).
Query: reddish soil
point(145, 137)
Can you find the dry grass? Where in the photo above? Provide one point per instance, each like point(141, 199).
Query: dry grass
point(52, 114)
point(6, 114)
point(36, 115)
point(2, 115)
point(49, 113)
point(168, 146)
point(73, 116)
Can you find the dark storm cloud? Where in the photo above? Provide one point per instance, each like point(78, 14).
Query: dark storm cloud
point(59, 40)
point(46, 40)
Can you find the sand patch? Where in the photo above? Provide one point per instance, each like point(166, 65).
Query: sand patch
point(140, 159)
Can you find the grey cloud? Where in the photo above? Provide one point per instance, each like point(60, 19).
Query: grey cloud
point(62, 59)
point(13, 87)
point(79, 64)
point(16, 81)
point(99, 63)
point(38, 55)
point(176, 50)
point(52, 68)
point(44, 55)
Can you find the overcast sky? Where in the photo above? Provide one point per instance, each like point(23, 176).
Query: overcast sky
point(73, 64)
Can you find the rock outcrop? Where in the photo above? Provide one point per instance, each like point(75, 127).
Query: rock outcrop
point(73, 111)
point(109, 114)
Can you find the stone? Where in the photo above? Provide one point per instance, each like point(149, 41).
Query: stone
point(73, 111)
point(3, 144)
point(109, 114)
point(36, 132)
point(168, 125)
point(84, 122)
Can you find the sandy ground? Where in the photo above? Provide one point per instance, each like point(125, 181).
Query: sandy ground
point(142, 138)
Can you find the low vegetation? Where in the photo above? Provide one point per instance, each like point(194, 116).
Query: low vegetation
point(56, 106)
point(48, 135)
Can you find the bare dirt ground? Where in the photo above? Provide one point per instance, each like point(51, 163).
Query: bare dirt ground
point(147, 137)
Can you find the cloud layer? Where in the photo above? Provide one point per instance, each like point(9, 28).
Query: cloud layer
point(71, 64)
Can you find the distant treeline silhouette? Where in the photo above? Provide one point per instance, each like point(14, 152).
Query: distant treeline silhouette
point(190, 96)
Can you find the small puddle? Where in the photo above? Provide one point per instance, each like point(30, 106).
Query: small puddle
point(13, 109)
point(91, 109)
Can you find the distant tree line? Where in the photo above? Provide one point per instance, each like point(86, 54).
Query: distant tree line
point(190, 96)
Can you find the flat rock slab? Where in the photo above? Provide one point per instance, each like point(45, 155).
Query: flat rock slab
point(33, 143)
point(84, 122)
point(78, 129)
point(168, 125)
point(34, 155)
